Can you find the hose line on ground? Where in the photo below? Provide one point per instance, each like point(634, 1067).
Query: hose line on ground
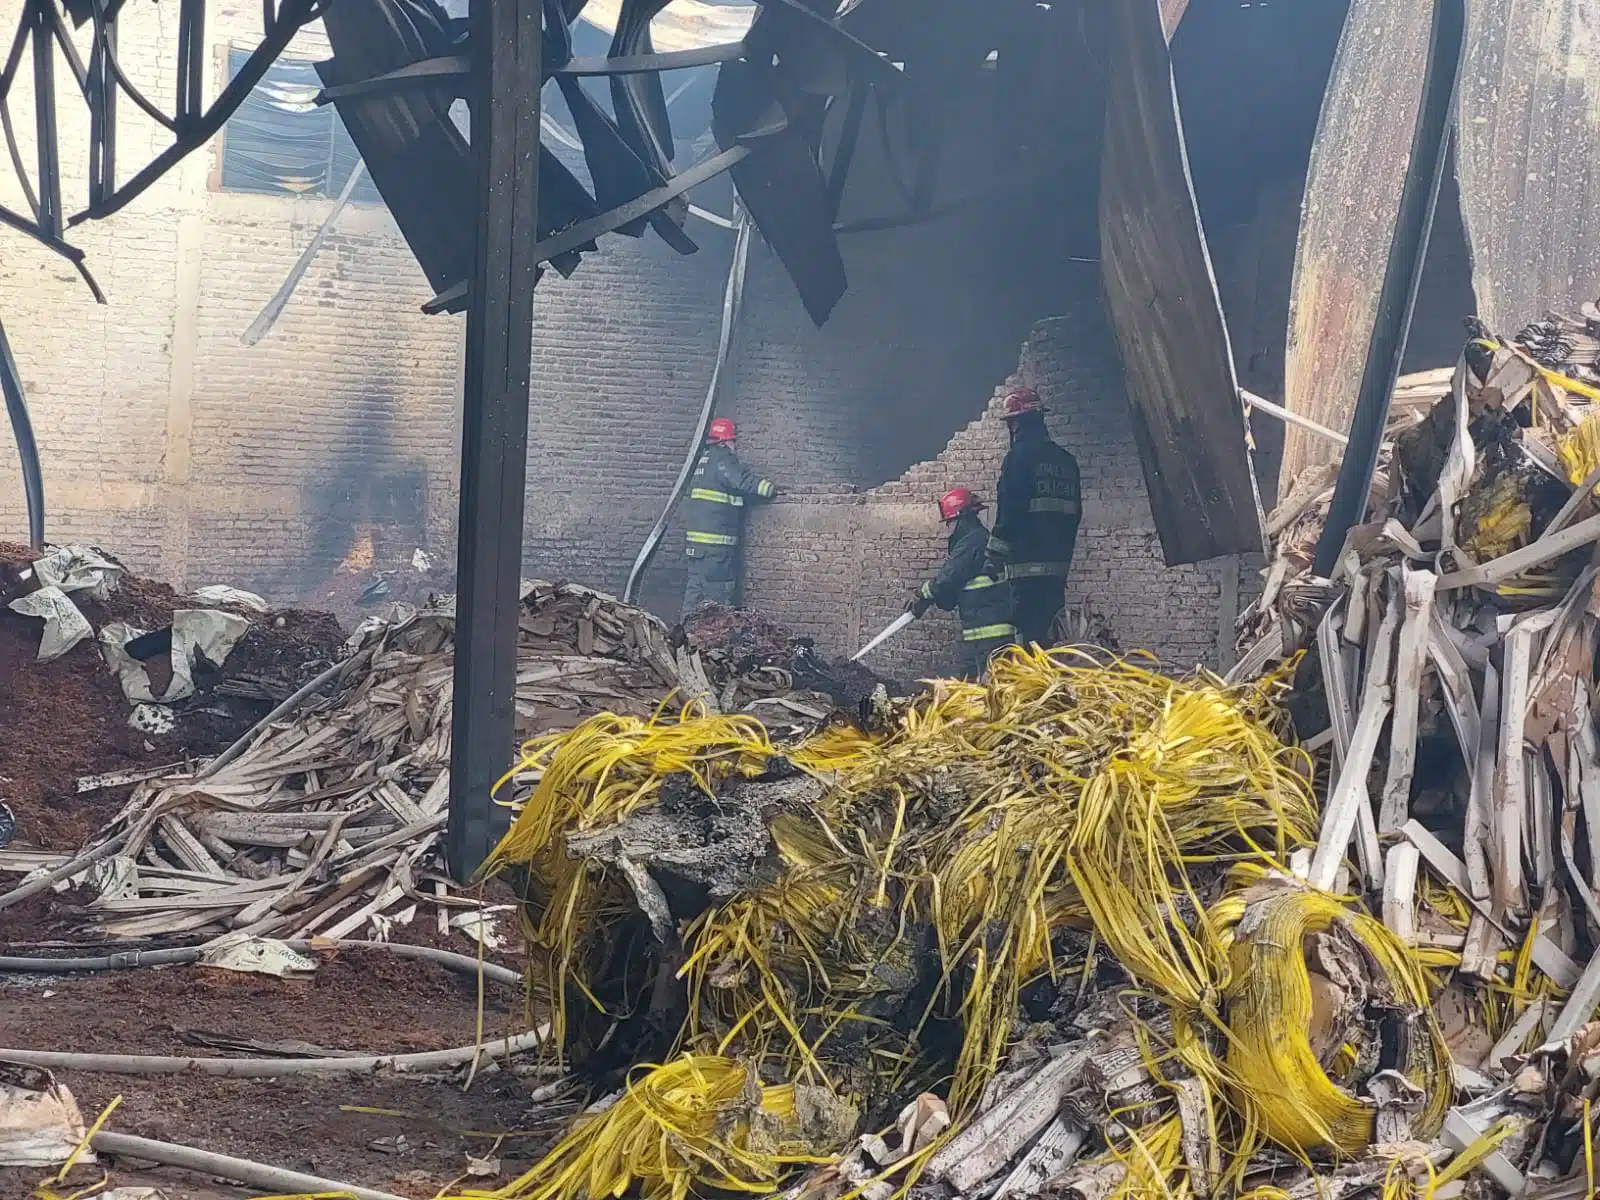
point(180, 956)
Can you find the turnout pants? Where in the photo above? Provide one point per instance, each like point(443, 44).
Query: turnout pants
point(1039, 601)
point(715, 576)
point(975, 655)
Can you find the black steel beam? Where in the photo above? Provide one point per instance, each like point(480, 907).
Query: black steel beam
point(102, 92)
point(27, 448)
point(574, 236)
point(1408, 250)
point(494, 425)
point(44, 112)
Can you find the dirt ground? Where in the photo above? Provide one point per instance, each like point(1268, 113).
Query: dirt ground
point(360, 1001)
point(63, 720)
point(402, 1134)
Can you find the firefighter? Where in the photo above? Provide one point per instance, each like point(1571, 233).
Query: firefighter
point(717, 496)
point(1038, 505)
point(983, 600)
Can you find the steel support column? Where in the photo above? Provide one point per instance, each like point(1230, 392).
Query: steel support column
point(504, 99)
point(1408, 252)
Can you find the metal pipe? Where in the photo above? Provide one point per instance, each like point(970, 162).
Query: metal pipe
point(732, 302)
point(1408, 250)
point(1262, 404)
point(27, 448)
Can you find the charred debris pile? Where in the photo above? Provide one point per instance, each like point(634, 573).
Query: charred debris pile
point(1325, 928)
point(1085, 930)
point(105, 677)
point(322, 818)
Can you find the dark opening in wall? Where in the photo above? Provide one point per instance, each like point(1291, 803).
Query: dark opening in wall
point(1251, 79)
point(936, 310)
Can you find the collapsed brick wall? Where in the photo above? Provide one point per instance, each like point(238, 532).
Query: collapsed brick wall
point(840, 566)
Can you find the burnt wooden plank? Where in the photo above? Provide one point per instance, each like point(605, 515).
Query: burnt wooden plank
point(1162, 295)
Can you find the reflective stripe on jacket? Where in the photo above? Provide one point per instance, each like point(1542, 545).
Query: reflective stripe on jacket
point(717, 495)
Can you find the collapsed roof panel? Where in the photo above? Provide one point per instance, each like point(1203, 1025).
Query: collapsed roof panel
point(1353, 185)
point(413, 150)
point(1164, 305)
point(1530, 119)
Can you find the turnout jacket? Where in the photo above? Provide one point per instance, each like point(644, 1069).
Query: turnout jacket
point(1038, 505)
point(983, 601)
point(717, 496)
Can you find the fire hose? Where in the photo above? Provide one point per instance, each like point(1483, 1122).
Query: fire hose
point(732, 299)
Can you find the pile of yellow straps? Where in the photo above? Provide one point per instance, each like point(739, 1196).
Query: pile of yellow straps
point(990, 827)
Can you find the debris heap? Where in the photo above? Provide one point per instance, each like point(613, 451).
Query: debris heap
point(1087, 931)
point(760, 660)
point(65, 715)
point(324, 820)
point(1046, 920)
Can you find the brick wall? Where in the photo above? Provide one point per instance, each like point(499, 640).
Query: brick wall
point(840, 566)
point(335, 438)
point(164, 438)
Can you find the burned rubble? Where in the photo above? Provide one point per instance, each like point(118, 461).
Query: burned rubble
point(1081, 929)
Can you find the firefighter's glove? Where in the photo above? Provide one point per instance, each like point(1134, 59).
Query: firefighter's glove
point(918, 605)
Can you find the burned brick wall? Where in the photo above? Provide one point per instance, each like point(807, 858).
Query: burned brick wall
point(840, 566)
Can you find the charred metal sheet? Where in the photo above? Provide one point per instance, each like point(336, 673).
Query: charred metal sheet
point(1408, 250)
point(1164, 306)
point(1530, 122)
point(642, 121)
point(801, 59)
point(1353, 185)
point(413, 150)
point(783, 189)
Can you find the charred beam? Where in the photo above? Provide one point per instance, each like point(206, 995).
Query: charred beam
point(494, 433)
point(575, 236)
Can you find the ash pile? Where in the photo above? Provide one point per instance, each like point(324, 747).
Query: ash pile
point(760, 659)
point(109, 677)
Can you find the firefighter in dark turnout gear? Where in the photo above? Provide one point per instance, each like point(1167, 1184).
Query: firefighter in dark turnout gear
point(715, 511)
point(982, 600)
point(1038, 505)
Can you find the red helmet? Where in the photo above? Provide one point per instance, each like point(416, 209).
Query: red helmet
point(955, 502)
point(1021, 400)
point(722, 432)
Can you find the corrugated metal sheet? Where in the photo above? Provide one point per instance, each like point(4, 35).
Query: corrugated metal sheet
point(1353, 187)
point(1164, 306)
point(1171, 14)
point(1530, 156)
